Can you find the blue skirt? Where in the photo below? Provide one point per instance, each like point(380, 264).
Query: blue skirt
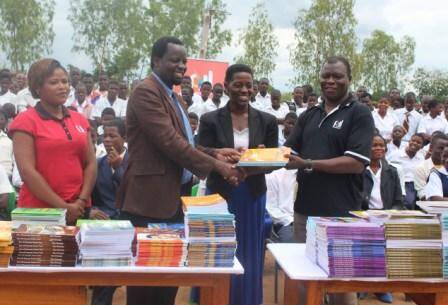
point(247, 289)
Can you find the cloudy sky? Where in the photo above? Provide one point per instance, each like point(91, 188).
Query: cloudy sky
point(424, 20)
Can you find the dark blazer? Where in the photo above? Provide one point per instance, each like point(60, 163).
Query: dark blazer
point(391, 192)
point(216, 131)
point(158, 152)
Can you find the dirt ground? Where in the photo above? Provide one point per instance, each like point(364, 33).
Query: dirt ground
point(268, 283)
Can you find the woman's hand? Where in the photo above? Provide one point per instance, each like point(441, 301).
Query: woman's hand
point(228, 155)
point(98, 214)
point(75, 210)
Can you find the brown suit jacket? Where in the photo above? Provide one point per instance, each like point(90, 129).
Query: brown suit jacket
point(158, 152)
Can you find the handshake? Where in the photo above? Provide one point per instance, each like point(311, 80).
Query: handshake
point(226, 165)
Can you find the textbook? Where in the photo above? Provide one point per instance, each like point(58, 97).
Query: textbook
point(264, 157)
point(48, 216)
point(434, 207)
point(6, 247)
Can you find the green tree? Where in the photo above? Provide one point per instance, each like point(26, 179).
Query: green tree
point(385, 61)
point(218, 37)
point(110, 32)
point(431, 82)
point(327, 28)
point(259, 42)
point(26, 30)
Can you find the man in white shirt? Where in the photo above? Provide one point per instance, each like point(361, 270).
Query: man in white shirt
point(216, 101)
point(6, 154)
point(438, 142)
point(277, 108)
point(433, 121)
point(5, 190)
point(263, 98)
point(281, 193)
point(6, 96)
point(75, 77)
point(110, 101)
point(408, 117)
point(200, 100)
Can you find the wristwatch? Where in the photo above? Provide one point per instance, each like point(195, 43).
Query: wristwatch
point(308, 166)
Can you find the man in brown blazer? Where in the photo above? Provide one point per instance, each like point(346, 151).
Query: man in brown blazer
point(162, 156)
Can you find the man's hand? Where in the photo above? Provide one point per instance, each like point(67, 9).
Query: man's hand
point(98, 214)
point(240, 176)
point(228, 155)
point(295, 162)
point(229, 172)
point(114, 159)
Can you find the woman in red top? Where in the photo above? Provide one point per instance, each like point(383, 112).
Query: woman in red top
point(52, 146)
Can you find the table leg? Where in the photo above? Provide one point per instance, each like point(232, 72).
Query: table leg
point(313, 293)
point(42, 295)
point(291, 293)
point(218, 294)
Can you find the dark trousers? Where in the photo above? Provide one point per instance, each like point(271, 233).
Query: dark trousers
point(142, 295)
point(411, 196)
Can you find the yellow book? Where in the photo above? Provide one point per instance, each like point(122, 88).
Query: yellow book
point(265, 157)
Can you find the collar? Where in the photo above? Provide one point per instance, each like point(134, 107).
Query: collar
point(346, 103)
point(168, 90)
point(266, 96)
point(47, 116)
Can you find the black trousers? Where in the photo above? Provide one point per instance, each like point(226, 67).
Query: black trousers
point(142, 295)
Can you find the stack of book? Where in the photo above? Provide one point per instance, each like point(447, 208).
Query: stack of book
point(45, 245)
point(210, 230)
point(444, 221)
point(433, 207)
point(44, 216)
point(161, 244)
point(311, 239)
point(413, 247)
point(105, 242)
point(350, 247)
point(6, 247)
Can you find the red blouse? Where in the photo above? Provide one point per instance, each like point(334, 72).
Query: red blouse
point(60, 151)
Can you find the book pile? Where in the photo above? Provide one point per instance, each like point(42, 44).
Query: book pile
point(413, 248)
point(6, 247)
point(44, 216)
point(105, 242)
point(444, 221)
point(45, 245)
point(210, 230)
point(433, 207)
point(350, 247)
point(311, 239)
point(161, 244)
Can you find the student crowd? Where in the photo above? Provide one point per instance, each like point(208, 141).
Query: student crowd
point(403, 160)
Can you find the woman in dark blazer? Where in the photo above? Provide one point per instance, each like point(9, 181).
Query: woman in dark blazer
point(391, 194)
point(240, 126)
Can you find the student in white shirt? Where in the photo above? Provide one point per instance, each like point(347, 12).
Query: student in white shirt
point(433, 121)
point(216, 101)
point(6, 96)
point(288, 125)
point(408, 159)
point(81, 104)
point(277, 108)
point(396, 143)
point(437, 187)
point(5, 189)
point(297, 101)
point(123, 91)
point(408, 117)
point(187, 95)
point(110, 101)
point(384, 120)
point(280, 196)
point(263, 98)
point(103, 84)
point(6, 153)
point(438, 142)
point(200, 100)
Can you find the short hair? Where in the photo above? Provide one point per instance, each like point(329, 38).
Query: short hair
point(380, 136)
point(433, 103)
point(80, 85)
point(438, 135)
point(255, 81)
point(410, 95)
point(218, 85)
point(419, 134)
point(161, 45)
point(291, 115)
point(107, 111)
point(366, 94)
point(342, 59)
point(264, 79)
point(276, 92)
point(298, 87)
point(119, 124)
point(88, 75)
point(206, 82)
point(193, 116)
point(40, 71)
point(312, 94)
point(308, 88)
point(113, 82)
point(5, 74)
point(237, 68)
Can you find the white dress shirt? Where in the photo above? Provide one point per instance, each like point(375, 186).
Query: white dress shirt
point(209, 106)
point(386, 124)
point(429, 124)
point(413, 118)
point(376, 202)
point(6, 153)
point(279, 113)
point(421, 175)
point(24, 99)
point(198, 106)
point(5, 185)
point(119, 106)
point(8, 97)
point(408, 165)
point(262, 102)
point(434, 186)
point(280, 196)
point(241, 138)
point(391, 148)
